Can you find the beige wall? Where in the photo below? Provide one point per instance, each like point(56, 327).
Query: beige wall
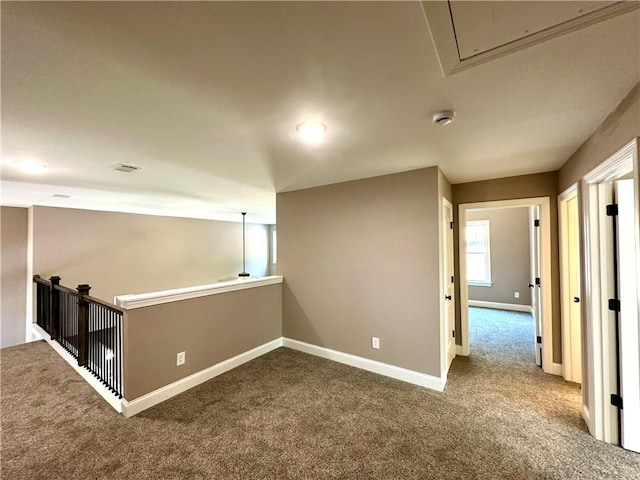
point(510, 256)
point(208, 329)
point(13, 241)
point(121, 253)
point(619, 128)
point(524, 186)
point(360, 259)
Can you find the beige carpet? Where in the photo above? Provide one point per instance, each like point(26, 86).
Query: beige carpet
point(288, 415)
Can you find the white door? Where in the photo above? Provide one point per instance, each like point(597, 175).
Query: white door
point(629, 355)
point(572, 357)
point(534, 284)
point(448, 280)
point(608, 333)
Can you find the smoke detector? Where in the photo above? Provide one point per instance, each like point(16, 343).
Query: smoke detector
point(121, 167)
point(444, 117)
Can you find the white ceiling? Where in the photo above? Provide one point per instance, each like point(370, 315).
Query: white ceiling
point(205, 97)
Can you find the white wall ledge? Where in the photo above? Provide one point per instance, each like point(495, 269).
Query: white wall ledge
point(140, 300)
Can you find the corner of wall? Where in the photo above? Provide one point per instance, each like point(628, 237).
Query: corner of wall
point(29, 335)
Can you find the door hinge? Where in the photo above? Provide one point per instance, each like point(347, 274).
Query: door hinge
point(451, 225)
point(538, 281)
point(538, 339)
point(453, 333)
point(614, 304)
point(616, 400)
point(612, 210)
point(453, 280)
point(536, 223)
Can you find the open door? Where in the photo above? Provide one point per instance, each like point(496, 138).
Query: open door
point(570, 290)
point(535, 282)
point(448, 280)
point(627, 316)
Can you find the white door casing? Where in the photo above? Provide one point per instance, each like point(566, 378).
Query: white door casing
point(546, 281)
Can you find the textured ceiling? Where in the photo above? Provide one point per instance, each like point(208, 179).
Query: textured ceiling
point(205, 97)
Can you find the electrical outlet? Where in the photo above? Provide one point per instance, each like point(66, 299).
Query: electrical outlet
point(375, 342)
point(180, 358)
point(516, 295)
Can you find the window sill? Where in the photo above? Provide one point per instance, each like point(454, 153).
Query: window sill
point(479, 284)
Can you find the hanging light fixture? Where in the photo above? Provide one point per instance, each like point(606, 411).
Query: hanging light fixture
point(244, 270)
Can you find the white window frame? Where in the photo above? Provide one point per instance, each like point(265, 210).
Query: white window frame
point(486, 282)
point(274, 246)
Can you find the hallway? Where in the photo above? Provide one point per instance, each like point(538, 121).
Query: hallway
point(502, 367)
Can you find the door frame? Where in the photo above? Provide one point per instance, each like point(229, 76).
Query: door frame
point(546, 280)
point(599, 415)
point(573, 192)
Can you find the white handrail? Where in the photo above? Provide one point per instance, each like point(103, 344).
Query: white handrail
point(139, 300)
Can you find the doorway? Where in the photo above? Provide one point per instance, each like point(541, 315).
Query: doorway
point(611, 209)
point(541, 284)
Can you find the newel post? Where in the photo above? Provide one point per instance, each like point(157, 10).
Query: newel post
point(54, 308)
point(83, 324)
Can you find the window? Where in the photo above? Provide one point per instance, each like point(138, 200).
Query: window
point(478, 249)
point(274, 247)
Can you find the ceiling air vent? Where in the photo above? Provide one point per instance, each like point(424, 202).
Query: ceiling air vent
point(121, 167)
point(60, 195)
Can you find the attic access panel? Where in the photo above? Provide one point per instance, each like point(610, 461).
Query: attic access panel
point(467, 33)
point(483, 26)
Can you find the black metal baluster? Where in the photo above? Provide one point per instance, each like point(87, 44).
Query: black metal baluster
point(118, 340)
point(101, 345)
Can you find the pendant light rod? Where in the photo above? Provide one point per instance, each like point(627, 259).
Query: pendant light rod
point(244, 270)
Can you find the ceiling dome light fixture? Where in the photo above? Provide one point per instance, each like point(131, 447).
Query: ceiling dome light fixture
point(444, 117)
point(312, 132)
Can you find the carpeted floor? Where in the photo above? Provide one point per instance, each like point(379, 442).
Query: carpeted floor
point(288, 415)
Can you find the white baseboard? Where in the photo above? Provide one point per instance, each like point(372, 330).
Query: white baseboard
point(585, 416)
point(501, 306)
point(460, 351)
point(133, 407)
point(103, 391)
point(399, 373)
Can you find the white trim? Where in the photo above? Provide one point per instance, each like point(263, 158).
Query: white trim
point(547, 281)
point(501, 306)
point(133, 407)
point(399, 373)
point(132, 301)
point(29, 332)
point(103, 391)
point(459, 350)
point(586, 417)
point(556, 369)
point(569, 193)
point(618, 164)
